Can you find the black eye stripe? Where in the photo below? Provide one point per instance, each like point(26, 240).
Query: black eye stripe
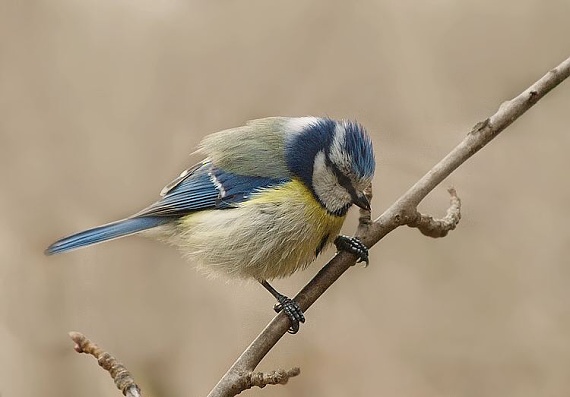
point(343, 180)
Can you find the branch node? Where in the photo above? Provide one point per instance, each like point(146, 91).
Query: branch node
point(533, 97)
point(121, 376)
point(405, 216)
point(480, 126)
point(435, 228)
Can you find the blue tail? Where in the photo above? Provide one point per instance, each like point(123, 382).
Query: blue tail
point(106, 232)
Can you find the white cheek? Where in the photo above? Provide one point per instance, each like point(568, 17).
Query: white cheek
point(326, 186)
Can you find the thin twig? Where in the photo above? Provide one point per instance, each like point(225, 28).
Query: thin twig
point(400, 213)
point(122, 377)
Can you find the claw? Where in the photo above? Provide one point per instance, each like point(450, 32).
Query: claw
point(354, 246)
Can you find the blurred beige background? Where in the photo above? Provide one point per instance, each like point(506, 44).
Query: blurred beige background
point(102, 101)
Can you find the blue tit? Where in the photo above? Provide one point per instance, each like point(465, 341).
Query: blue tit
point(265, 201)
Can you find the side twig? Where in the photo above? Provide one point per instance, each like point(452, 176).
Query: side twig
point(262, 379)
point(436, 228)
point(402, 212)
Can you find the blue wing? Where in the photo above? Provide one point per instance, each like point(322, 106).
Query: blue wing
point(206, 187)
point(198, 188)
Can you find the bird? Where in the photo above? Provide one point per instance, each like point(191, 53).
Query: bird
point(264, 202)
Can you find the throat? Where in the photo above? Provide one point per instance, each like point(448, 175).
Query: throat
point(332, 206)
point(341, 212)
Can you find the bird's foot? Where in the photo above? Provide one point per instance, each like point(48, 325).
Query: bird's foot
point(287, 306)
point(354, 246)
point(292, 310)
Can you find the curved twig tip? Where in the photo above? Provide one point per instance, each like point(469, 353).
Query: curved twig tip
point(79, 340)
point(436, 228)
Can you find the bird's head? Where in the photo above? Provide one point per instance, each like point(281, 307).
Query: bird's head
point(335, 159)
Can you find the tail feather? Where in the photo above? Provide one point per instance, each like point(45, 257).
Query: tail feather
point(106, 232)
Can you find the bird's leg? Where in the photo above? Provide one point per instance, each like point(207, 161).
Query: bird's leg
point(288, 306)
point(352, 245)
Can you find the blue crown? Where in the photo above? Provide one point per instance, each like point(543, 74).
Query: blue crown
point(303, 147)
point(359, 147)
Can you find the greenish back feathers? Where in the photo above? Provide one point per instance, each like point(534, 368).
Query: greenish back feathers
point(256, 148)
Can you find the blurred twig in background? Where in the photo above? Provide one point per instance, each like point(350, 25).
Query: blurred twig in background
point(122, 377)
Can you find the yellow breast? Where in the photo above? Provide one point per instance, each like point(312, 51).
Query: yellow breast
point(296, 197)
point(273, 234)
point(300, 225)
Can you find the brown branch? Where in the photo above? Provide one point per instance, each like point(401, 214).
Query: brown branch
point(436, 228)
point(402, 212)
point(121, 376)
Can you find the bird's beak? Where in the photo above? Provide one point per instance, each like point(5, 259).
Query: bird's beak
point(362, 201)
